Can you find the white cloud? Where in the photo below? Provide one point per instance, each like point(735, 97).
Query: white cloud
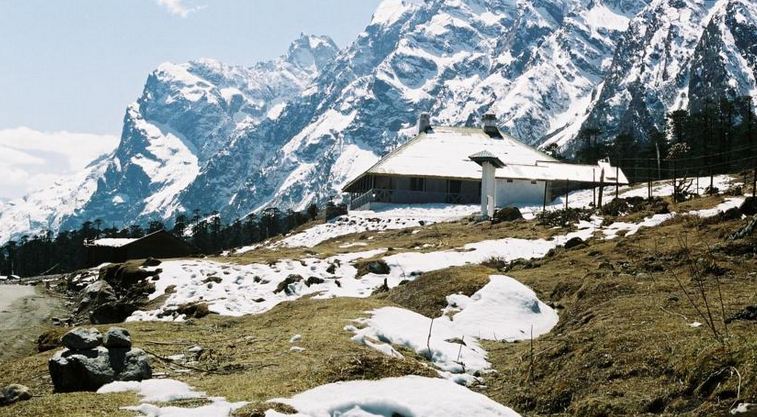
point(178, 7)
point(30, 160)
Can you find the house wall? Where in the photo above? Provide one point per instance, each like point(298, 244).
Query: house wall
point(519, 192)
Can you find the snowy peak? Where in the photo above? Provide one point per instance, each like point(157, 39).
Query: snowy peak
point(311, 52)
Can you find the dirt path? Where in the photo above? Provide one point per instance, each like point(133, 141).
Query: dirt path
point(24, 314)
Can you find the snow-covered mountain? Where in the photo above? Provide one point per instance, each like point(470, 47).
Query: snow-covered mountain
point(207, 136)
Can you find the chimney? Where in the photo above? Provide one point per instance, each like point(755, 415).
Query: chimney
point(489, 124)
point(424, 123)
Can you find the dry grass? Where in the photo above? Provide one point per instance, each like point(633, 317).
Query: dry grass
point(624, 345)
point(247, 359)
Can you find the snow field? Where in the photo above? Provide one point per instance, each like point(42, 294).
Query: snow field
point(504, 309)
point(408, 396)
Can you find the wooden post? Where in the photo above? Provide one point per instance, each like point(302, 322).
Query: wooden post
point(593, 188)
point(544, 203)
point(601, 187)
point(754, 183)
point(649, 181)
point(617, 180)
point(567, 188)
point(698, 174)
point(675, 194)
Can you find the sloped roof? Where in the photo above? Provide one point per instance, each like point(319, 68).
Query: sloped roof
point(444, 152)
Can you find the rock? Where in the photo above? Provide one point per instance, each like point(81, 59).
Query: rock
point(745, 231)
point(14, 393)
point(749, 313)
point(112, 312)
point(117, 337)
point(151, 262)
point(749, 206)
point(507, 214)
point(732, 213)
point(378, 267)
point(194, 310)
point(130, 364)
point(212, 279)
point(82, 339)
point(574, 242)
point(314, 281)
point(85, 370)
point(49, 340)
point(88, 370)
point(96, 293)
point(285, 284)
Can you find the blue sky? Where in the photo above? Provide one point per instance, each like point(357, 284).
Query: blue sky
point(74, 65)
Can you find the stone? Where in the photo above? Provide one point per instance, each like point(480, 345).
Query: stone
point(88, 370)
point(112, 312)
point(82, 339)
point(507, 214)
point(151, 262)
point(85, 370)
point(314, 281)
point(117, 337)
point(285, 285)
point(378, 267)
point(96, 293)
point(574, 242)
point(749, 206)
point(130, 364)
point(14, 393)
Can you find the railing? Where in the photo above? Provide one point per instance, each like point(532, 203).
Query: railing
point(381, 195)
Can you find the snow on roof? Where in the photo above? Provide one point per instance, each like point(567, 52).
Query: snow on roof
point(112, 242)
point(444, 152)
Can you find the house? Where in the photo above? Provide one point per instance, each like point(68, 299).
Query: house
point(160, 244)
point(447, 165)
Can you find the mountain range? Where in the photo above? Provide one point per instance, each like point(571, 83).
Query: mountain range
point(205, 136)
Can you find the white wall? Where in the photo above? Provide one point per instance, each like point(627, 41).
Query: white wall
point(519, 192)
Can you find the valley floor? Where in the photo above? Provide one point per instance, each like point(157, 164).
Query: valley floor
point(468, 318)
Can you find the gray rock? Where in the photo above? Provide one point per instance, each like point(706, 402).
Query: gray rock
point(82, 339)
point(85, 370)
point(88, 370)
point(117, 337)
point(130, 364)
point(14, 393)
point(96, 293)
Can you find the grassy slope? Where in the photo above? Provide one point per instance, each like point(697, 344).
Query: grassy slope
point(621, 347)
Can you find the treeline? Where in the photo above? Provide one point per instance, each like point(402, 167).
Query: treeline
point(46, 253)
point(719, 138)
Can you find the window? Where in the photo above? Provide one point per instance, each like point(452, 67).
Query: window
point(509, 180)
point(417, 184)
point(533, 181)
point(454, 186)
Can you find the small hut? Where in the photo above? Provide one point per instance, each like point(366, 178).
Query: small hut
point(160, 244)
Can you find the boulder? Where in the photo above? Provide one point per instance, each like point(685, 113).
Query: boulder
point(574, 242)
point(14, 393)
point(85, 370)
point(507, 214)
point(82, 339)
point(112, 312)
point(285, 285)
point(117, 337)
point(130, 364)
point(151, 262)
point(314, 281)
point(378, 267)
point(88, 370)
point(96, 293)
point(749, 206)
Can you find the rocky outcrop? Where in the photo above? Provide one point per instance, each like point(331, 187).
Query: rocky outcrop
point(86, 365)
point(14, 393)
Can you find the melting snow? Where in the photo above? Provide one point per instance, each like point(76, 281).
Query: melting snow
point(408, 396)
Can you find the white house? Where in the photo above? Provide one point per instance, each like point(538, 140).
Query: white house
point(447, 164)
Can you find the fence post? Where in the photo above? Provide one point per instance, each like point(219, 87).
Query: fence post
point(567, 188)
point(601, 187)
point(544, 203)
point(754, 182)
point(617, 180)
point(675, 193)
point(649, 181)
point(698, 174)
point(593, 188)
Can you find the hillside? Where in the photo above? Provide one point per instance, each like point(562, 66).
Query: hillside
point(507, 319)
point(212, 137)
